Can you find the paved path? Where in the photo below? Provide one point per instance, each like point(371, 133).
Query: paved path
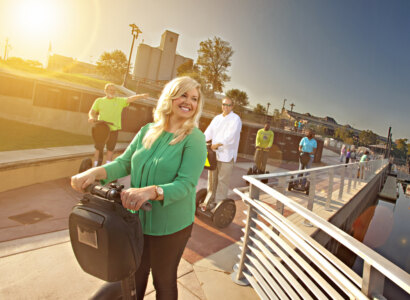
point(36, 260)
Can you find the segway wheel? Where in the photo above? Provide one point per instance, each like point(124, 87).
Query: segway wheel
point(224, 213)
point(200, 197)
point(265, 181)
point(307, 188)
point(86, 164)
point(290, 184)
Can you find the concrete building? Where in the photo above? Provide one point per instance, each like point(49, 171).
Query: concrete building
point(159, 63)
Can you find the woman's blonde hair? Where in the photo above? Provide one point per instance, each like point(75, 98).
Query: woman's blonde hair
point(173, 90)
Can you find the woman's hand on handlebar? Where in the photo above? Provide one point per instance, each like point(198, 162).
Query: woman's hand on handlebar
point(134, 198)
point(80, 181)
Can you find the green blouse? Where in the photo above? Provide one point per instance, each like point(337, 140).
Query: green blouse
point(175, 168)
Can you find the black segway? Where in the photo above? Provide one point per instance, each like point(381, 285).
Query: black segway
point(106, 238)
point(100, 133)
point(255, 171)
point(298, 185)
point(221, 214)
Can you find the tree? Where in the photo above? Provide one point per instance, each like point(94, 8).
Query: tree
point(34, 63)
point(187, 67)
point(240, 98)
point(344, 134)
point(113, 65)
point(213, 60)
point(321, 130)
point(276, 114)
point(260, 109)
point(401, 144)
point(19, 62)
point(400, 148)
point(367, 137)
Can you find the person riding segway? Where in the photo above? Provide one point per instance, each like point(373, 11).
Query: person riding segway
point(307, 149)
point(164, 161)
point(222, 213)
point(263, 143)
point(224, 131)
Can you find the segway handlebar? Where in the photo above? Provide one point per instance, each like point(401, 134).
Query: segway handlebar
point(112, 193)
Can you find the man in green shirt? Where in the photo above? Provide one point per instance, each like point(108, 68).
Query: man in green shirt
point(108, 109)
point(264, 141)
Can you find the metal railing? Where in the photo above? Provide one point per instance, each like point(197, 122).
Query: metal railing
point(281, 261)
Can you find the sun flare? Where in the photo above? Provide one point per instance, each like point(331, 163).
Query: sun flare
point(38, 18)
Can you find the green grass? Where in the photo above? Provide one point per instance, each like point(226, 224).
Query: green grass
point(67, 77)
point(18, 136)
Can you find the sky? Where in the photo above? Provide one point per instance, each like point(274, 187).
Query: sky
point(349, 59)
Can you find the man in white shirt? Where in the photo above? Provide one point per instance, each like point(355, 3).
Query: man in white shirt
point(224, 131)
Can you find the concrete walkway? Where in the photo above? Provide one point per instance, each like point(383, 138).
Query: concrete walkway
point(37, 262)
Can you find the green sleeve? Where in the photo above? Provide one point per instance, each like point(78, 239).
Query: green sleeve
point(192, 164)
point(124, 102)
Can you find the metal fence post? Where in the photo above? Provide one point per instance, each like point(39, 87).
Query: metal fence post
point(237, 276)
point(355, 174)
point(330, 189)
point(281, 188)
point(342, 181)
point(373, 281)
point(365, 170)
point(312, 188)
point(349, 177)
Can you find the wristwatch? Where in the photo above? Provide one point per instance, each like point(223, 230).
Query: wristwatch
point(159, 191)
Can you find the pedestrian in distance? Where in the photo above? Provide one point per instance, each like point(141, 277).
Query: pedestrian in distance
point(348, 154)
point(105, 116)
point(165, 161)
point(343, 153)
point(363, 159)
point(353, 155)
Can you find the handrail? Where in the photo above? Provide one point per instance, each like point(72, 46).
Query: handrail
point(376, 267)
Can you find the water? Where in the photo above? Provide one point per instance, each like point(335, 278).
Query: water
point(385, 228)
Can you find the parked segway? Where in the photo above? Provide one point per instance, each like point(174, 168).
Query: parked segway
point(100, 133)
point(298, 185)
point(222, 213)
point(255, 171)
point(106, 238)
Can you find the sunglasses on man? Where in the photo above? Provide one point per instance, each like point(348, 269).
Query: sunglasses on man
point(225, 104)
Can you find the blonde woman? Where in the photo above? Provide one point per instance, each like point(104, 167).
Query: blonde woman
point(165, 160)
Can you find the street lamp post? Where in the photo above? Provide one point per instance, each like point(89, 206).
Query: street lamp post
point(135, 32)
point(267, 111)
point(283, 106)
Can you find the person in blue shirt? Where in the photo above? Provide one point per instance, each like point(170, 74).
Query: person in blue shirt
point(307, 146)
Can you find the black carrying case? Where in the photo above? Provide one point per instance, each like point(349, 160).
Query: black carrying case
point(106, 238)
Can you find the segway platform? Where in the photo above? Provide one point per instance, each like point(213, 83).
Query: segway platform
point(298, 186)
point(255, 171)
point(221, 215)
